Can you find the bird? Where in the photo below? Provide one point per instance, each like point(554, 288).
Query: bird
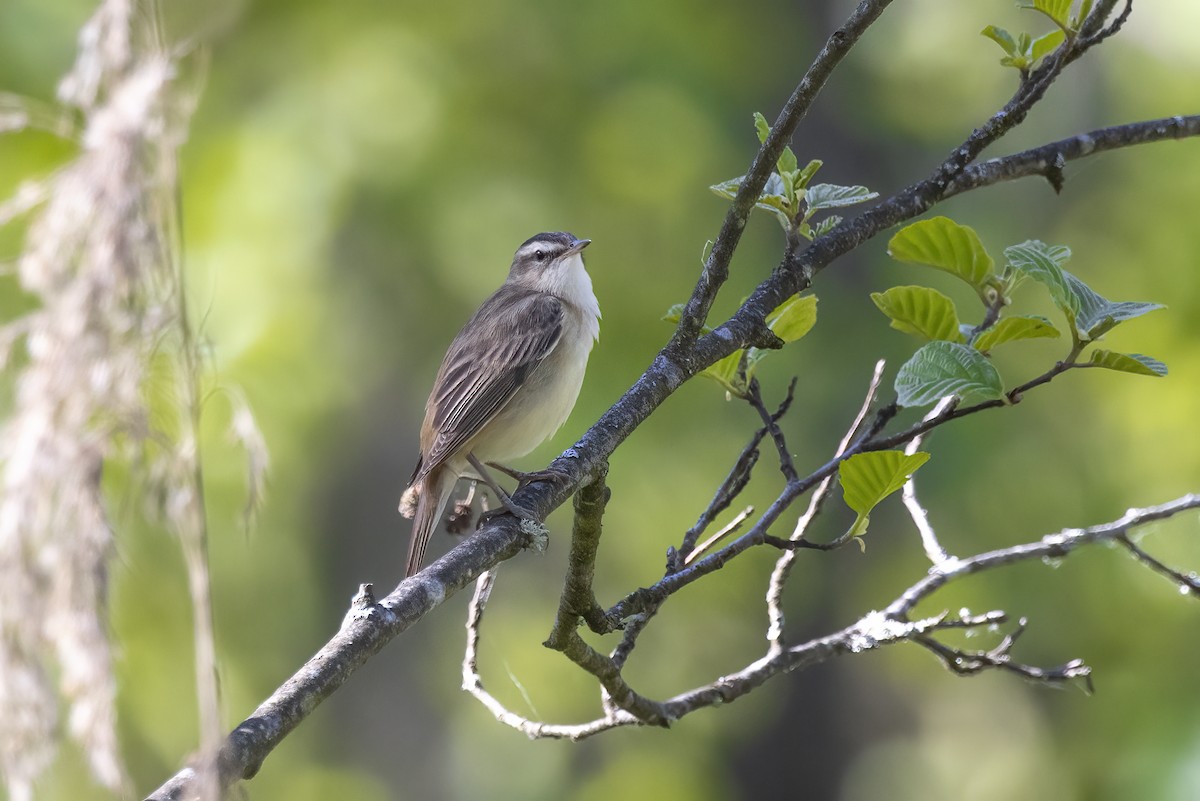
point(507, 382)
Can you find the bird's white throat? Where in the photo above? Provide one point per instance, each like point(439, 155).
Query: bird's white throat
point(571, 282)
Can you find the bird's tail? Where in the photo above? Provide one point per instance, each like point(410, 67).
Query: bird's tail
point(432, 491)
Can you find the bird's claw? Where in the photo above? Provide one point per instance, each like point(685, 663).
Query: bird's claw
point(553, 475)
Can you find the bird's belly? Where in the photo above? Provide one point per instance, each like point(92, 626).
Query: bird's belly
point(539, 407)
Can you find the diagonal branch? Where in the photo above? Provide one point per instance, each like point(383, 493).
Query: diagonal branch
point(716, 267)
point(1189, 583)
point(366, 630)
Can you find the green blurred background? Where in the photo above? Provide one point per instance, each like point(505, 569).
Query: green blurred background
point(357, 177)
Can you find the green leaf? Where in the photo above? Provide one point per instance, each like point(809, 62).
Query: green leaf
point(787, 162)
point(945, 245)
point(1091, 314)
point(1024, 51)
point(728, 189)
point(920, 310)
point(1010, 329)
point(753, 357)
point(1057, 10)
point(826, 225)
point(794, 318)
point(774, 197)
point(788, 180)
point(1134, 363)
point(1096, 315)
point(808, 172)
point(1085, 8)
point(1045, 44)
point(868, 478)
point(1002, 38)
point(761, 127)
point(941, 368)
point(1043, 263)
point(832, 196)
point(727, 373)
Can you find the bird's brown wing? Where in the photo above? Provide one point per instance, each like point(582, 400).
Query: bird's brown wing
point(489, 360)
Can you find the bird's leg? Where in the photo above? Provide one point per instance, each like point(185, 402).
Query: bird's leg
point(549, 474)
point(509, 504)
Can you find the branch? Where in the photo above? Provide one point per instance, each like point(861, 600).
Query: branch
point(929, 541)
point(1051, 546)
point(578, 599)
point(968, 663)
point(1188, 583)
point(367, 628)
point(473, 682)
point(731, 487)
point(771, 424)
point(716, 267)
point(874, 630)
point(738, 477)
point(1049, 160)
point(795, 274)
point(783, 565)
point(647, 600)
point(948, 413)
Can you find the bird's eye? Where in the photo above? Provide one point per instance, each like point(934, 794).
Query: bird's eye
point(540, 255)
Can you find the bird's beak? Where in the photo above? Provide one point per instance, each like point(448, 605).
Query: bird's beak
point(578, 245)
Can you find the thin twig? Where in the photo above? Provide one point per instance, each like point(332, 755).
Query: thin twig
point(771, 424)
point(1053, 546)
point(730, 527)
point(1049, 160)
point(473, 682)
point(783, 565)
point(933, 549)
point(969, 663)
point(1189, 583)
point(716, 266)
point(796, 273)
point(737, 479)
point(731, 487)
point(930, 422)
point(643, 599)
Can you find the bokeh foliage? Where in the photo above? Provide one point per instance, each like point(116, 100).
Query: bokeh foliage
point(357, 177)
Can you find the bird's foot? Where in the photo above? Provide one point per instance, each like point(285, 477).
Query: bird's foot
point(553, 475)
point(509, 507)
